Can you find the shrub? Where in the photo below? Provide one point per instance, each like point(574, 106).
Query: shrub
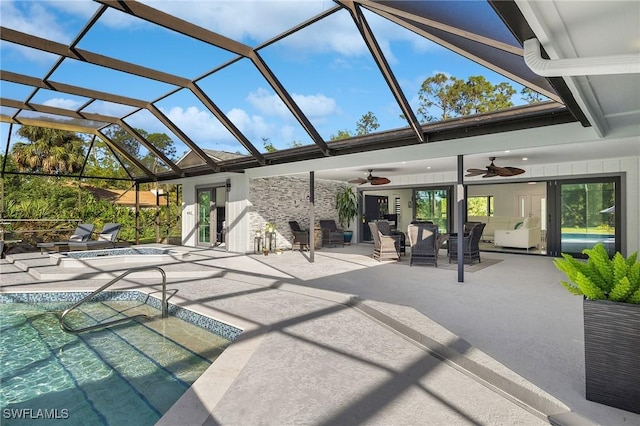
point(602, 278)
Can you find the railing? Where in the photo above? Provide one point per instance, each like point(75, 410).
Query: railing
point(4, 223)
point(121, 320)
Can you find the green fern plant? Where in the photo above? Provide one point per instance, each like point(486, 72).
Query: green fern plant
point(600, 277)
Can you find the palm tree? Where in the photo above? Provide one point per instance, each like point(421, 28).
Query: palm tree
point(48, 151)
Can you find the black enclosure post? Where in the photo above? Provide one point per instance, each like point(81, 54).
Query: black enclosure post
point(462, 210)
point(312, 221)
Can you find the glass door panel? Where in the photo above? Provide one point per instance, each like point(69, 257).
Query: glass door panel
point(205, 207)
point(587, 216)
point(433, 205)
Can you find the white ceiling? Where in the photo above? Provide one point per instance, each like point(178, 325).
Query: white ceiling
point(566, 29)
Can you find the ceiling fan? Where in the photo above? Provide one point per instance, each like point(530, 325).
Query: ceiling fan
point(373, 180)
point(492, 170)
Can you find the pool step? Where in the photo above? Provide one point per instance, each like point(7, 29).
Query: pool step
point(146, 357)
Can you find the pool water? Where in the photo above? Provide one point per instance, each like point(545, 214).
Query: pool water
point(128, 374)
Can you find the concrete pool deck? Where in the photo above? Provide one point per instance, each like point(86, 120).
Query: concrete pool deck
point(349, 340)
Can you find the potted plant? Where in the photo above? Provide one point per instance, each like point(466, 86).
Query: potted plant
point(611, 309)
point(347, 206)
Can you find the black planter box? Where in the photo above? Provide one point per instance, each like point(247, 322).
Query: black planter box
point(612, 353)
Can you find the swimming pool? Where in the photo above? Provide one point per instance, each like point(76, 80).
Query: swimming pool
point(130, 374)
point(575, 242)
point(78, 259)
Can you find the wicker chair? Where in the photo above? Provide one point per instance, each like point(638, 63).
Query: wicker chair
point(470, 244)
point(331, 234)
point(385, 228)
point(424, 242)
point(385, 247)
point(300, 236)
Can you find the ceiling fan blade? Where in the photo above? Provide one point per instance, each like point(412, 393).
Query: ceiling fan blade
point(491, 174)
point(502, 171)
point(475, 172)
point(379, 180)
point(358, 181)
point(514, 170)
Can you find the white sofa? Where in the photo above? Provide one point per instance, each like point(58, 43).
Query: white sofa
point(496, 222)
point(526, 236)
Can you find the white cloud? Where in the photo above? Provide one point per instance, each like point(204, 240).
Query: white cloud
point(253, 127)
point(267, 103)
point(198, 124)
point(63, 103)
point(316, 105)
point(313, 106)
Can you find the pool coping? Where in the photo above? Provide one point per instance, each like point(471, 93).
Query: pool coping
point(66, 260)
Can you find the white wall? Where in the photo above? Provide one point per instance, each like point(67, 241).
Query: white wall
point(235, 208)
point(506, 196)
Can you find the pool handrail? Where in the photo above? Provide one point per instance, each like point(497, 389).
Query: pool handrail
point(104, 287)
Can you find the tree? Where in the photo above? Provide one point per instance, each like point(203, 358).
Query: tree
point(530, 96)
point(454, 97)
point(268, 146)
point(125, 140)
point(342, 134)
point(367, 124)
point(48, 151)
point(164, 143)
point(436, 92)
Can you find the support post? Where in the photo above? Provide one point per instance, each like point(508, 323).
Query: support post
point(137, 213)
point(462, 210)
point(312, 221)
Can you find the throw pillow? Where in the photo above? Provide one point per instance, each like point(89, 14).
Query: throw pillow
point(75, 238)
point(518, 225)
point(105, 237)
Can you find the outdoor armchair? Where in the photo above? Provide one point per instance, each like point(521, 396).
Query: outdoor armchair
point(423, 239)
point(386, 229)
point(300, 236)
point(385, 247)
point(470, 245)
point(81, 234)
point(331, 234)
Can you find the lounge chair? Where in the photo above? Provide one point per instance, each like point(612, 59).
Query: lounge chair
point(81, 234)
point(108, 238)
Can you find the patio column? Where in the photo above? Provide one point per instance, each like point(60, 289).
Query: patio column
point(312, 237)
point(462, 209)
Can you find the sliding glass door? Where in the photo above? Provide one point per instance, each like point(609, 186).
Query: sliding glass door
point(206, 216)
point(583, 213)
point(433, 204)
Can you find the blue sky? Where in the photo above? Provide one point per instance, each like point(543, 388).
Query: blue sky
point(326, 67)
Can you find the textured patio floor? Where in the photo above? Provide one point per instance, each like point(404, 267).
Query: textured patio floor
point(348, 340)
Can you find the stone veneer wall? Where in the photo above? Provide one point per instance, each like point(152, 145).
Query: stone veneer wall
point(281, 199)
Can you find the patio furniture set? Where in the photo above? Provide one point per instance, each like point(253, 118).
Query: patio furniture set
point(424, 238)
point(425, 241)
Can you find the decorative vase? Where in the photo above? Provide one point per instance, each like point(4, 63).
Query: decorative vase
point(611, 348)
point(348, 236)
